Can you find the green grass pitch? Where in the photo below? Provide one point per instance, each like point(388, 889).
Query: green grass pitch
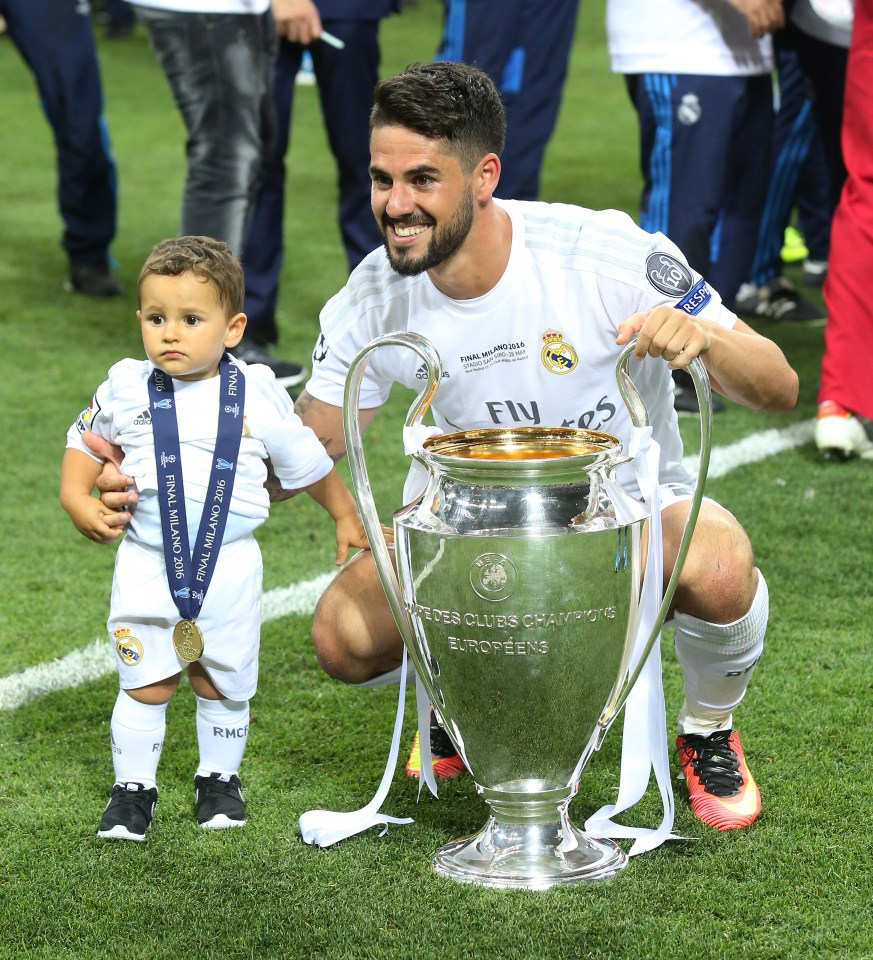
point(798, 884)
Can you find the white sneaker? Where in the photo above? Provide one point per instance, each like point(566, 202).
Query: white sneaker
point(839, 433)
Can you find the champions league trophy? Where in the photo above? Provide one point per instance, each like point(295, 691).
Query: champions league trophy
point(516, 593)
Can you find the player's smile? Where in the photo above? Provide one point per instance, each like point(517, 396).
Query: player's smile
point(406, 230)
point(422, 199)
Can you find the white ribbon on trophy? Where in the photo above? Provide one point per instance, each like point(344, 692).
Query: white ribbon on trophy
point(644, 741)
point(326, 827)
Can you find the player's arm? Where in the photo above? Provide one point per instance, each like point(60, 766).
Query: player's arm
point(742, 365)
point(332, 494)
point(117, 492)
point(326, 421)
point(79, 474)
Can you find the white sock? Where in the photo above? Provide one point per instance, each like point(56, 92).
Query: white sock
point(718, 660)
point(222, 731)
point(137, 732)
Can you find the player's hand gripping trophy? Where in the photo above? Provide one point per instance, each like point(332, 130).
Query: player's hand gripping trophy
point(518, 594)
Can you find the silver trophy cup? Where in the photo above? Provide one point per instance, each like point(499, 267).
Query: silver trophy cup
point(516, 592)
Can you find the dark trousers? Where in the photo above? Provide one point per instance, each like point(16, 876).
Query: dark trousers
point(524, 46)
point(705, 150)
point(799, 175)
point(345, 79)
point(56, 41)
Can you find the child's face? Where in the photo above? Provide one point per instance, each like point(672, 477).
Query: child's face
point(185, 328)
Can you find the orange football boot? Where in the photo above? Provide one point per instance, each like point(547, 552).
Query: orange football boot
point(723, 793)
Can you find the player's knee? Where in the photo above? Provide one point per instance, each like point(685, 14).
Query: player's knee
point(718, 580)
point(334, 648)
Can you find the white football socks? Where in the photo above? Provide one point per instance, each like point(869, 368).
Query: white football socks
point(222, 731)
point(137, 731)
point(717, 663)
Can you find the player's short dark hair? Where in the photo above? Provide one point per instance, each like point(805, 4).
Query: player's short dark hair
point(452, 102)
point(208, 259)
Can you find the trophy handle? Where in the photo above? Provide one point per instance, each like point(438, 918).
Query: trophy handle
point(357, 465)
point(640, 418)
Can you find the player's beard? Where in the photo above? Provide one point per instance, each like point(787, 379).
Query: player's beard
point(446, 241)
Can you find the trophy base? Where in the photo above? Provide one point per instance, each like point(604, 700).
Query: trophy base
point(530, 856)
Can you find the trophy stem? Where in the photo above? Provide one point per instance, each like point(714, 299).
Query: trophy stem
point(532, 848)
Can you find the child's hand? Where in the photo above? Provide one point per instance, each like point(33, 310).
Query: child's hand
point(89, 517)
point(349, 533)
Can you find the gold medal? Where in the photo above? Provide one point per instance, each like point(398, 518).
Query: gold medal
point(188, 640)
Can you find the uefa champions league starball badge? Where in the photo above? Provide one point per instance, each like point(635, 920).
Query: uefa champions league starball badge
point(188, 640)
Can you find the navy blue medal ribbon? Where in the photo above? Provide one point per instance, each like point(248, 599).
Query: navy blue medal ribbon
point(190, 572)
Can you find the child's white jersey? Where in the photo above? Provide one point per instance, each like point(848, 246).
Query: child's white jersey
point(539, 347)
point(119, 413)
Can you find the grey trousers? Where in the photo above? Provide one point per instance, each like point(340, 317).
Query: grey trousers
point(220, 70)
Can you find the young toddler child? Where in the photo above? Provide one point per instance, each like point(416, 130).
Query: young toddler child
point(195, 427)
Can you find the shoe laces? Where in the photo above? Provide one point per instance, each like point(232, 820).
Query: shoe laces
point(137, 797)
point(213, 785)
point(715, 764)
point(441, 745)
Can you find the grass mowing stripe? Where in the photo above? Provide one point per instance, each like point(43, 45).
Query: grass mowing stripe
point(97, 659)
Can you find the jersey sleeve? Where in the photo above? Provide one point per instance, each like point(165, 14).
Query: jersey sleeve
point(345, 331)
point(296, 454)
point(639, 271)
point(96, 418)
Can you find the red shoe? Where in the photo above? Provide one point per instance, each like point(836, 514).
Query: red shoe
point(446, 761)
point(723, 793)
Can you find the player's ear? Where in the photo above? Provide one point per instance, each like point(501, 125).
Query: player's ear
point(236, 327)
point(487, 175)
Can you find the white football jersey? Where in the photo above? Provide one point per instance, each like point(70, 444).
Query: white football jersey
point(709, 37)
point(207, 6)
point(119, 413)
point(537, 349)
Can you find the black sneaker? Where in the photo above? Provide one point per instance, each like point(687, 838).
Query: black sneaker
point(777, 300)
point(220, 802)
point(685, 396)
point(93, 280)
point(128, 815)
point(288, 374)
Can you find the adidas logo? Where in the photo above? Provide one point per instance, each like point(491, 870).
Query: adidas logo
point(421, 372)
point(144, 419)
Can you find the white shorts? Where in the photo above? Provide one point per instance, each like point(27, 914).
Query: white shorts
point(142, 616)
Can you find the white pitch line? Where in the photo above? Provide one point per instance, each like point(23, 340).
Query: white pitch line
point(97, 659)
point(755, 447)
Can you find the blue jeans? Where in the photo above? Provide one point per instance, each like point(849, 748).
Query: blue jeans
point(220, 70)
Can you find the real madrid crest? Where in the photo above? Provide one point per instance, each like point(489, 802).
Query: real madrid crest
point(557, 355)
point(127, 646)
